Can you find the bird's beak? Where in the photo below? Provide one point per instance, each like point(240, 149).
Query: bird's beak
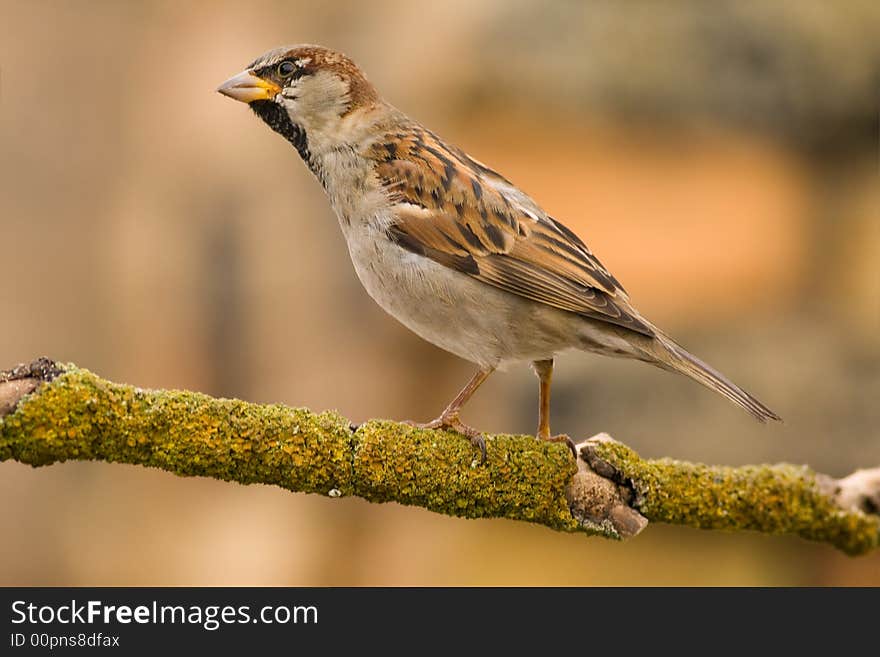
point(248, 87)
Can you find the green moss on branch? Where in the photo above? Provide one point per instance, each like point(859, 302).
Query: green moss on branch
point(81, 416)
point(774, 499)
point(522, 478)
point(74, 414)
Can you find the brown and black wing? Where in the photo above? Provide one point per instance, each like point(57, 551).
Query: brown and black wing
point(463, 215)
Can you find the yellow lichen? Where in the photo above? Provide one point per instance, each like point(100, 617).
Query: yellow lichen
point(81, 416)
point(775, 499)
point(522, 478)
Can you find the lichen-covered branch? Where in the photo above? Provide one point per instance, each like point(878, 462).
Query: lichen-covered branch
point(51, 414)
point(775, 499)
point(78, 415)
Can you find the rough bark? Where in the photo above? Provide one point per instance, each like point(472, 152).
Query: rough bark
point(51, 413)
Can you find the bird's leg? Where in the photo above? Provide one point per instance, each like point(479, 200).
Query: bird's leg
point(449, 417)
point(544, 370)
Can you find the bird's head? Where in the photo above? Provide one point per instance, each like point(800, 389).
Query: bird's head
point(302, 90)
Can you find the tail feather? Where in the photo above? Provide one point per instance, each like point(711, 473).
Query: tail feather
point(675, 357)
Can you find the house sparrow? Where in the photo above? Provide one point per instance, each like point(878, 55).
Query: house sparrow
point(447, 246)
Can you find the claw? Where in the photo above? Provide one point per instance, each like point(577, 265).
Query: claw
point(456, 425)
point(480, 442)
point(561, 438)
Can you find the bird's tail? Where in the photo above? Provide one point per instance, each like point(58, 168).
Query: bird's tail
point(674, 357)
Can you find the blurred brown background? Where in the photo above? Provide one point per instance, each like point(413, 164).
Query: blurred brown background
point(722, 161)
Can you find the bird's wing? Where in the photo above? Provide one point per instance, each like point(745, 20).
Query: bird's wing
point(461, 214)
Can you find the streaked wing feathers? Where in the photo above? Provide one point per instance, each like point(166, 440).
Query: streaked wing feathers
point(465, 216)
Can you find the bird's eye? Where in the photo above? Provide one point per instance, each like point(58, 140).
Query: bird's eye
point(286, 68)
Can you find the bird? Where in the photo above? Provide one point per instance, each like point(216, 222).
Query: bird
point(448, 246)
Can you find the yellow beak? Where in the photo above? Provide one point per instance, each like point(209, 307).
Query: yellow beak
point(247, 88)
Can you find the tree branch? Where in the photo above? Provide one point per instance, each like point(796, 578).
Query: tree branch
point(51, 413)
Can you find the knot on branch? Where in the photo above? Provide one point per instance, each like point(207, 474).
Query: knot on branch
point(43, 369)
point(23, 379)
point(595, 495)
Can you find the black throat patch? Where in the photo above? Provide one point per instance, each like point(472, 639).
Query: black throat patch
point(275, 116)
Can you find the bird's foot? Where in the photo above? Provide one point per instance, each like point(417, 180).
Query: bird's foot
point(452, 423)
point(560, 438)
